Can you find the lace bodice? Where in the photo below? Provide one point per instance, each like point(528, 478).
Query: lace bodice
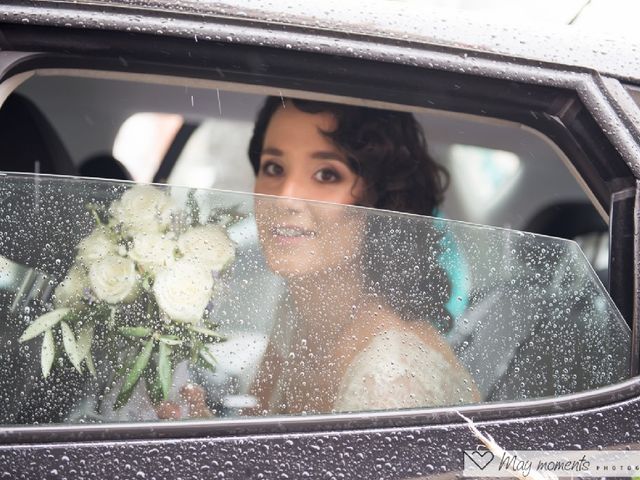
point(398, 370)
point(395, 370)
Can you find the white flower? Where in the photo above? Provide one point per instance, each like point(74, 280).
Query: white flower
point(143, 208)
point(95, 247)
point(208, 245)
point(114, 279)
point(152, 250)
point(68, 293)
point(183, 290)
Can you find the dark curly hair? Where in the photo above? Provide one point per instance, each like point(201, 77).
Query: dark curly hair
point(388, 150)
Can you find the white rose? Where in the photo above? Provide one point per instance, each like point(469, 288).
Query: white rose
point(69, 292)
point(114, 279)
point(152, 250)
point(183, 290)
point(143, 208)
point(208, 245)
point(95, 247)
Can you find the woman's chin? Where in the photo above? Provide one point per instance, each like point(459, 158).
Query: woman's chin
point(294, 266)
point(292, 242)
point(292, 255)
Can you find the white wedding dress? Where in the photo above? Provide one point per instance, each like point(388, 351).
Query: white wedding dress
point(398, 370)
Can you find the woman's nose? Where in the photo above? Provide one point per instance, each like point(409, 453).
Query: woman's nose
point(294, 191)
point(292, 188)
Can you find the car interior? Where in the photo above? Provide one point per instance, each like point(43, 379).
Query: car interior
point(195, 133)
point(519, 177)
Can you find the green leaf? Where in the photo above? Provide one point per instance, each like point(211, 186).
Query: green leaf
point(207, 332)
point(123, 365)
point(98, 314)
point(165, 370)
point(154, 390)
point(227, 217)
point(93, 209)
point(203, 365)
point(170, 340)
point(136, 369)
point(113, 317)
point(71, 346)
point(90, 365)
point(194, 351)
point(194, 208)
point(208, 358)
point(141, 332)
point(210, 323)
point(48, 353)
point(85, 338)
point(43, 323)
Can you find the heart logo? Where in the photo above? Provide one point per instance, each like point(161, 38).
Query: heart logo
point(480, 458)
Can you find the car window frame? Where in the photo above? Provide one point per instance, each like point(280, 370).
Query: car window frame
point(605, 161)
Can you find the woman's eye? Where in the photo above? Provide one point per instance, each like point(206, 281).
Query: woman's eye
point(327, 175)
point(271, 169)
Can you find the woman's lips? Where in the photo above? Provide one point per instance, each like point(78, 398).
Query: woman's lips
point(288, 234)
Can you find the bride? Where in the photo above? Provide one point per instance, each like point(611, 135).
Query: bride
point(361, 326)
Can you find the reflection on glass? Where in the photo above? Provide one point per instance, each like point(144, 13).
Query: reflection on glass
point(198, 303)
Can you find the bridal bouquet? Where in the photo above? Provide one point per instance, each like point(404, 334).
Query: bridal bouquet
point(140, 291)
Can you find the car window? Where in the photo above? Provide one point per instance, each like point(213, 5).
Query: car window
point(480, 141)
point(131, 302)
point(513, 324)
point(501, 173)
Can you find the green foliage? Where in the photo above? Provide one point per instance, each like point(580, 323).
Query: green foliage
point(135, 371)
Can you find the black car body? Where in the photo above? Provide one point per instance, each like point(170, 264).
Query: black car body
point(582, 101)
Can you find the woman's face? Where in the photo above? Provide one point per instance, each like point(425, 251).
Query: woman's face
point(300, 163)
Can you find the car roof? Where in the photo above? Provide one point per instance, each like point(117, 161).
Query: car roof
point(383, 21)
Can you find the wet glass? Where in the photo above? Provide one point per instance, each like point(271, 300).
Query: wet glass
point(124, 302)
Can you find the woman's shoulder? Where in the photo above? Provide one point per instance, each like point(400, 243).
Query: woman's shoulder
point(400, 341)
point(393, 350)
point(400, 368)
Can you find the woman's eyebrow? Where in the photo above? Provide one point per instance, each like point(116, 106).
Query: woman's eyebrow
point(327, 155)
point(318, 155)
point(272, 151)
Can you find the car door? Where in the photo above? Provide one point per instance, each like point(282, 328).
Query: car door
point(587, 116)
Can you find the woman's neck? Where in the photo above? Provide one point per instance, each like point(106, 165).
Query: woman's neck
point(327, 302)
